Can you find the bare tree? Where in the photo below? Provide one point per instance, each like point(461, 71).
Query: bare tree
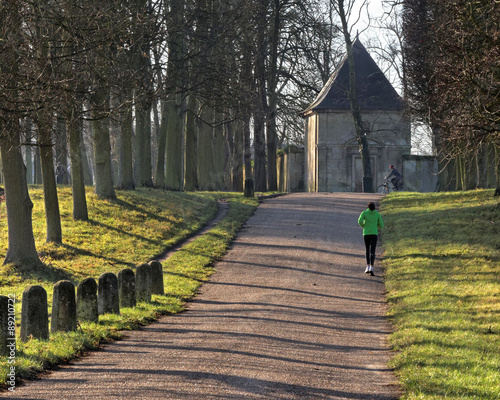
point(43, 34)
point(344, 10)
point(173, 105)
point(451, 50)
point(141, 56)
point(191, 153)
point(21, 251)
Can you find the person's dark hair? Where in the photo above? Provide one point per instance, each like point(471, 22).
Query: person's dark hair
point(371, 205)
point(391, 166)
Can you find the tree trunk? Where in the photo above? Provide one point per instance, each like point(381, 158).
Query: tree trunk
point(76, 153)
point(37, 175)
point(27, 133)
point(155, 128)
point(205, 151)
point(114, 134)
point(87, 155)
point(228, 154)
point(218, 146)
point(259, 116)
point(247, 79)
point(497, 170)
point(102, 147)
point(191, 152)
point(125, 164)
point(259, 167)
point(143, 94)
point(272, 137)
point(247, 148)
point(61, 146)
point(162, 147)
point(21, 251)
point(490, 166)
point(237, 172)
point(143, 145)
point(173, 177)
point(29, 164)
point(272, 147)
point(52, 214)
point(174, 110)
point(161, 128)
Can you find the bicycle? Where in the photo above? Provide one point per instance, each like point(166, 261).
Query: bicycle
point(388, 186)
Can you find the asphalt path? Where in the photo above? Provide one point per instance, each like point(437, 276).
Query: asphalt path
point(289, 314)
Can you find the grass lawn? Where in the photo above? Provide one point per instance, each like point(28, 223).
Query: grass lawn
point(442, 262)
point(121, 234)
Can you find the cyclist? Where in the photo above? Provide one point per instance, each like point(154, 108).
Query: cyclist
point(396, 176)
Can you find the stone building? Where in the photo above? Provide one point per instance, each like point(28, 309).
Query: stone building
point(332, 161)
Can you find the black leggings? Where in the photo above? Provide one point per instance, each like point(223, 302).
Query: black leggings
point(371, 245)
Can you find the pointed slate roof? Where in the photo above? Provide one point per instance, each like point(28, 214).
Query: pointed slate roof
point(374, 90)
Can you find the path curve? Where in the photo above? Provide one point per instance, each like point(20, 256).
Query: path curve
point(289, 314)
point(222, 210)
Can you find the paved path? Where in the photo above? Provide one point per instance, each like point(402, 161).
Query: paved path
point(289, 314)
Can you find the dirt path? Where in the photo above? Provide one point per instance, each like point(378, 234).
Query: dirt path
point(222, 210)
point(289, 314)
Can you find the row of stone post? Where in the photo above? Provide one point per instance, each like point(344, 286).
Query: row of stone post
point(92, 299)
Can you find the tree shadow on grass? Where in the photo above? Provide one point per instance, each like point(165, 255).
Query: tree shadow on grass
point(39, 272)
point(115, 262)
point(146, 213)
point(124, 233)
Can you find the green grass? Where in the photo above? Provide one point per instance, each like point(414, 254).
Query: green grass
point(442, 261)
point(121, 234)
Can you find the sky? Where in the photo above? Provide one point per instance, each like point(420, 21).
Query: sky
point(375, 9)
point(421, 135)
point(370, 31)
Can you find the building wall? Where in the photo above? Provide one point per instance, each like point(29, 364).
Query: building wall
point(334, 154)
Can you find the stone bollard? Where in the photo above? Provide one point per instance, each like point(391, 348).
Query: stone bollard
point(7, 326)
point(63, 307)
point(157, 278)
point(86, 301)
point(143, 283)
point(107, 298)
point(34, 314)
point(126, 287)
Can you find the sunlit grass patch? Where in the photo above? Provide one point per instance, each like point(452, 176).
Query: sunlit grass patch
point(442, 261)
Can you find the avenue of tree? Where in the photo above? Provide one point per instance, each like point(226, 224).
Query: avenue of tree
point(178, 94)
point(201, 94)
point(451, 62)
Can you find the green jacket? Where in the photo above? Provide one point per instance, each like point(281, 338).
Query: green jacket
point(370, 221)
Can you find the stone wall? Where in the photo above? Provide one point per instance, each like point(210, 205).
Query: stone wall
point(310, 154)
point(420, 173)
point(291, 170)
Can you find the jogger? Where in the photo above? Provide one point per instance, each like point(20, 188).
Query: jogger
point(370, 220)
